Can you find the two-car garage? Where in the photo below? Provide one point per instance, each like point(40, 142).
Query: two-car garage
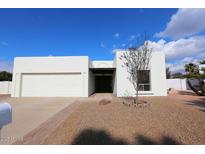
point(50, 77)
point(51, 85)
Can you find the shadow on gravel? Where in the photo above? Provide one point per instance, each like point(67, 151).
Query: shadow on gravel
point(203, 110)
point(101, 137)
point(143, 140)
point(96, 137)
point(199, 103)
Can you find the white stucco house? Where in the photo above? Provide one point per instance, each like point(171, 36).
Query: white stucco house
point(77, 76)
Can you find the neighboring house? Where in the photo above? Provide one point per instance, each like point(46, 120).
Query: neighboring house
point(77, 76)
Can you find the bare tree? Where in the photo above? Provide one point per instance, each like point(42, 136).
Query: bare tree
point(136, 59)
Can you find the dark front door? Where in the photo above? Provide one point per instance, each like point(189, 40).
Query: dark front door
point(103, 84)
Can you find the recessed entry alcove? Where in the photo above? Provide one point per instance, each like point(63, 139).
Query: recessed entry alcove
point(103, 80)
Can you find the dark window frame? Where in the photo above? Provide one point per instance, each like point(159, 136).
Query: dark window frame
point(143, 85)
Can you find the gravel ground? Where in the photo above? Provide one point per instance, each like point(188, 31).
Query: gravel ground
point(163, 121)
point(190, 98)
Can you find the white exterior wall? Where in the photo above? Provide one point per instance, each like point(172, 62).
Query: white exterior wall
point(102, 64)
point(5, 87)
point(157, 77)
point(158, 74)
point(51, 65)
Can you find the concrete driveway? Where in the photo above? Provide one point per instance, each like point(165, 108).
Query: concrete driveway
point(28, 113)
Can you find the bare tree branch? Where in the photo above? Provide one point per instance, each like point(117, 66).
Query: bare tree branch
point(136, 59)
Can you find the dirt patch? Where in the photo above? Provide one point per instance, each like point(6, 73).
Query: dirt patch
point(165, 121)
point(104, 102)
point(4, 96)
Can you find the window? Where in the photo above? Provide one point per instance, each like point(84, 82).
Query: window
point(144, 80)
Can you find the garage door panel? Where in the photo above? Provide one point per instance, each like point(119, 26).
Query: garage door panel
point(52, 85)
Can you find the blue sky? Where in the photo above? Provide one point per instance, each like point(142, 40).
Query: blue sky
point(92, 32)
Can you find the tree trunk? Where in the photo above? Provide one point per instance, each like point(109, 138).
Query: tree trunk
point(136, 97)
point(201, 85)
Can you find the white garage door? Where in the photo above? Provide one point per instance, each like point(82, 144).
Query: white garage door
point(52, 85)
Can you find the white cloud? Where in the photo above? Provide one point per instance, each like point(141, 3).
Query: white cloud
point(179, 65)
point(181, 51)
point(181, 48)
point(6, 66)
point(4, 43)
point(187, 59)
point(116, 35)
point(186, 22)
point(102, 45)
point(174, 68)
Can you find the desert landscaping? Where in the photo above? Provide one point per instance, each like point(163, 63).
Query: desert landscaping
point(164, 120)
